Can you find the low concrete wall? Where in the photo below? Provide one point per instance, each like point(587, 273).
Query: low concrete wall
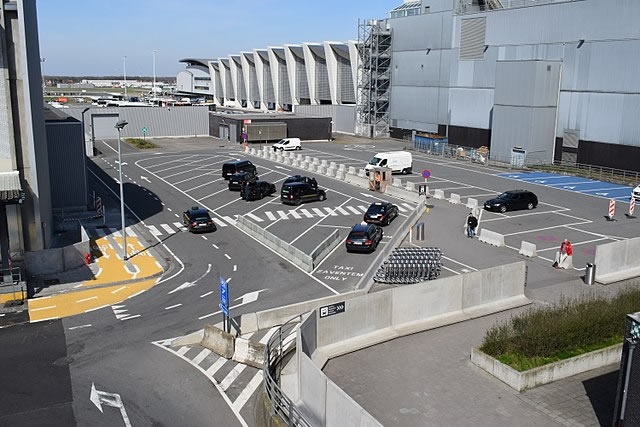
point(528, 249)
point(380, 316)
point(491, 237)
point(275, 243)
point(56, 260)
point(617, 261)
point(547, 373)
point(325, 247)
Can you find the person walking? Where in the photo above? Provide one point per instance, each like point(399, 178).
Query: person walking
point(472, 224)
point(564, 257)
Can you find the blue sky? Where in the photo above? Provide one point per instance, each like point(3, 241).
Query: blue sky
point(90, 37)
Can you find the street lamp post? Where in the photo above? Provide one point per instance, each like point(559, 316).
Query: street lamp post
point(124, 73)
point(120, 125)
point(153, 89)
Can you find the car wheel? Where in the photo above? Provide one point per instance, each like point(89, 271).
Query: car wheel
point(298, 202)
point(298, 148)
point(404, 171)
point(503, 208)
point(530, 206)
point(322, 197)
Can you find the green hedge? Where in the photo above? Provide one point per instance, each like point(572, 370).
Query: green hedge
point(141, 143)
point(560, 331)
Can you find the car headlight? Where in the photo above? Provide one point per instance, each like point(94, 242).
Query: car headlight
point(496, 204)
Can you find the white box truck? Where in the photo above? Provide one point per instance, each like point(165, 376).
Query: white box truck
point(398, 161)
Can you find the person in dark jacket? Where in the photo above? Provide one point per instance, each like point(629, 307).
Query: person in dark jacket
point(472, 224)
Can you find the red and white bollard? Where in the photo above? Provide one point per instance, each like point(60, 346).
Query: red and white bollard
point(612, 210)
point(632, 208)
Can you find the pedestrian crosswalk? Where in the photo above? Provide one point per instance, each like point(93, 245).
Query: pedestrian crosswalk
point(168, 229)
point(239, 382)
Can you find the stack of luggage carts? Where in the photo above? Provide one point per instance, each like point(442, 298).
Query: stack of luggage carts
point(406, 266)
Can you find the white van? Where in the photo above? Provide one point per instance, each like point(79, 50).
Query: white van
point(287, 144)
point(398, 161)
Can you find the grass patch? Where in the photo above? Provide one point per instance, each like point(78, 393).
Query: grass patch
point(141, 143)
point(567, 329)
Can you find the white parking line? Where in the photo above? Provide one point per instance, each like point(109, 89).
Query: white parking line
point(172, 306)
point(254, 217)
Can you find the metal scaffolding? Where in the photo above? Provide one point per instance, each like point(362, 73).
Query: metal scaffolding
point(374, 78)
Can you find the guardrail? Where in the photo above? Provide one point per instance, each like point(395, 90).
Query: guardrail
point(11, 283)
point(276, 350)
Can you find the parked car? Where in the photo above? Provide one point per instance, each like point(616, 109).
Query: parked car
point(300, 178)
point(287, 144)
point(381, 213)
point(635, 194)
point(364, 238)
point(198, 219)
point(512, 201)
point(398, 161)
point(295, 193)
point(237, 180)
point(256, 190)
point(230, 168)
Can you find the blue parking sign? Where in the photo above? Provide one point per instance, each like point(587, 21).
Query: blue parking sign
point(224, 296)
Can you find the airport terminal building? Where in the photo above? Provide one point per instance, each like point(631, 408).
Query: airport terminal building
point(557, 79)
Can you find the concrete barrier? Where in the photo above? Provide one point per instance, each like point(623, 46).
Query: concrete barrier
point(249, 352)
point(325, 247)
point(330, 172)
point(272, 156)
point(472, 203)
point(290, 252)
point(397, 182)
point(377, 317)
point(491, 237)
point(438, 194)
point(455, 199)
point(411, 186)
point(312, 167)
point(524, 380)
point(322, 169)
point(333, 165)
point(316, 161)
point(342, 167)
point(295, 163)
point(218, 341)
point(253, 151)
point(362, 173)
point(528, 249)
point(308, 159)
point(340, 175)
point(299, 157)
point(56, 260)
point(403, 194)
point(617, 261)
point(287, 161)
point(304, 165)
point(352, 170)
point(357, 180)
point(324, 163)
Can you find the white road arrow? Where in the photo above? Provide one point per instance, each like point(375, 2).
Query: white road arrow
point(186, 285)
point(144, 178)
point(539, 181)
point(109, 399)
point(570, 187)
point(602, 194)
point(123, 163)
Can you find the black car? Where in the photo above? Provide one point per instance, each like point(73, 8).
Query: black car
point(237, 180)
point(198, 219)
point(381, 213)
point(256, 190)
point(364, 238)
point(295, 193)
point(299, 178)
point(230, 168)
point(512, 201)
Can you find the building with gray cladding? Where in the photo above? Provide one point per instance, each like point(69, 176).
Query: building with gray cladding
point(561, 79)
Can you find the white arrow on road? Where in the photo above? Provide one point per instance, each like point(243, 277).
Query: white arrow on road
point(123, 163)
point(602, 194)
point(109, 399)
point(186, 285)
point(538, 181)
point(246, 299)
point(144, 178)
point(570, 187)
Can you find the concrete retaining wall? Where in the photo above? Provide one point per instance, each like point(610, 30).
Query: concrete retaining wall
point(378, 317)
point(56, 260)
point(617, 261)
point(325, 247)
point(547, 373)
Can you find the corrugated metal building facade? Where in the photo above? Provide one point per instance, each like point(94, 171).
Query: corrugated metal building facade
point(445, 61)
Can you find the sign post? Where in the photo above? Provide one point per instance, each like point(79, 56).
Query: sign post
point(426, 174)
point(224, 304)
point(144, 133)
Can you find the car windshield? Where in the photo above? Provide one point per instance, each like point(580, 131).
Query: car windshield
point(374, 161)
point(374, 209)
point(202, 218)
point(357, 235)
point(505, 196)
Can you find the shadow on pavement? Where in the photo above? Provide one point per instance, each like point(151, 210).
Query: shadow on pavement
point(601, 392)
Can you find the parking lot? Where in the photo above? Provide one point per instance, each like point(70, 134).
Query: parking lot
point(198, 176)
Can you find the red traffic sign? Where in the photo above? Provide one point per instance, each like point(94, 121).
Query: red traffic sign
point(426, 173)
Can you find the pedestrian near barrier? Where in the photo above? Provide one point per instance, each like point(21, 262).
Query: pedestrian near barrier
point(612, 210)
point(564, 257)
point(471, 223)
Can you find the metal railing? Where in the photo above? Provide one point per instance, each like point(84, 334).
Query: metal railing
point(11, 283)
point(279, 346)
point(601, 173)
point(467, 6)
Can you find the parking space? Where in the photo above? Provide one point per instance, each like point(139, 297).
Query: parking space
point(305, 226)
point(573, 183)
